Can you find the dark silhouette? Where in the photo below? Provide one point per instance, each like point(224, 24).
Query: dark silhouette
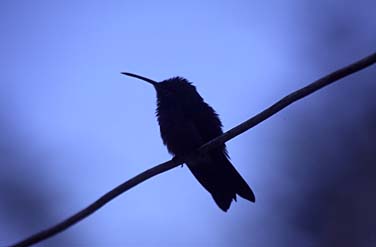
point(187, 122)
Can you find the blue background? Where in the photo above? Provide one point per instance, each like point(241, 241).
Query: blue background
point(72, 127)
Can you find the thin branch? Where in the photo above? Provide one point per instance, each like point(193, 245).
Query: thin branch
point(281, 104)
point(289, 99)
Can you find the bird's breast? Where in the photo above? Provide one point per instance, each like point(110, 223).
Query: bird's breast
point(178, 131)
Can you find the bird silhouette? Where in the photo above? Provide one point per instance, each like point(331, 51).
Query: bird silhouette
point(186, 122)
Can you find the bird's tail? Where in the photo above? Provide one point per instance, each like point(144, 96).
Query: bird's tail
point(221, 179)
point(241, 186)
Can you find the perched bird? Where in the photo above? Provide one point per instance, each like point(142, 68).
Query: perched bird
point(186, 122)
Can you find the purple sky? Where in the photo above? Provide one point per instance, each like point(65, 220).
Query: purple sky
point(80, 128)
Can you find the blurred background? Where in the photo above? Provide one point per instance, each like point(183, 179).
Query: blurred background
point(72, 127)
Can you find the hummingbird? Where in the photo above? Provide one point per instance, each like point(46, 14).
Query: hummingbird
point(187, 122)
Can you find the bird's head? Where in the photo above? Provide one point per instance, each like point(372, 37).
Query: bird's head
point(174, 90)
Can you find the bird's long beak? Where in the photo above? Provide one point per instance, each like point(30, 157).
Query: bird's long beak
point(154, 83)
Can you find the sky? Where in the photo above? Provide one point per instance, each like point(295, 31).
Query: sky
point(72, 127)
